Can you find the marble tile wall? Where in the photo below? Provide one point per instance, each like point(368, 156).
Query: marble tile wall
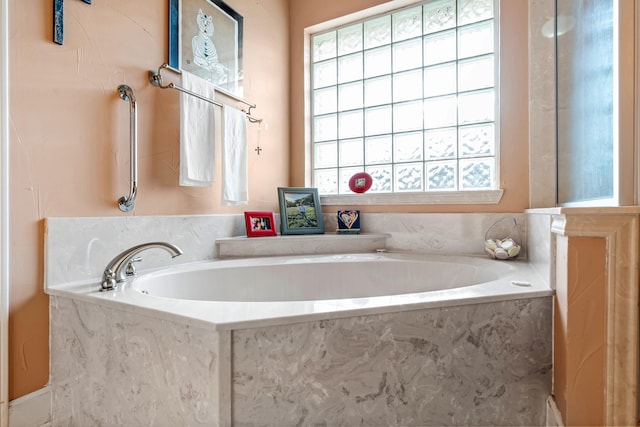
point(80, 248)
point(447, 233)
point(540, 244)
point(486, 364)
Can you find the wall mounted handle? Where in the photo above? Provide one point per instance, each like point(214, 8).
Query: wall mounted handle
point(127, 203)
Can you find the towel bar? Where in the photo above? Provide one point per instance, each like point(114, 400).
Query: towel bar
point(155, 77)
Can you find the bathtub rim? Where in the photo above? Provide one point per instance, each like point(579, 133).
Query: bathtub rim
point(243, 315)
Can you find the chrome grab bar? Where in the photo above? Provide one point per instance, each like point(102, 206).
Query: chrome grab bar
point(127, 203)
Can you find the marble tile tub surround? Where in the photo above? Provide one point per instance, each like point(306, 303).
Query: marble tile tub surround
point(483, 364)
point(110, 367)
point(79, 248)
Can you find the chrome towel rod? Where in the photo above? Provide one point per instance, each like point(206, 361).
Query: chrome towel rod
point(155, 77)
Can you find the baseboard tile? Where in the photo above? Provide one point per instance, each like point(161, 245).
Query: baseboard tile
point(554, 417)
point(33, 409)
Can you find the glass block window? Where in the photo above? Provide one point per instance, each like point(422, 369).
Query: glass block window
point(408, 97)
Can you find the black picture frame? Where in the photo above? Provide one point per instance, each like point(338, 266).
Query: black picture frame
point(214, 54)
point(300, 211)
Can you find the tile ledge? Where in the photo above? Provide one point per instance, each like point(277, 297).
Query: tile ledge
point(613, 210)
point(305, 244)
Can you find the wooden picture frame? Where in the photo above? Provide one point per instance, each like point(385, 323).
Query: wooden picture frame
point(300, 211)
point(260, 224)
point(205, 39)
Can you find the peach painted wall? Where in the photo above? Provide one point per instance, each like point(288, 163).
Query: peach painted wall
point(579, 330)
point(69, 137)
point(514, 103)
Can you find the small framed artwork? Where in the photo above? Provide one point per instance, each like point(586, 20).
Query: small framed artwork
point(348, 222)
point(300, 211)
point(205, 39)
point(260, 224)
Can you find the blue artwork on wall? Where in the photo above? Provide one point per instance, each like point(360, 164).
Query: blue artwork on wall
point(58, 20)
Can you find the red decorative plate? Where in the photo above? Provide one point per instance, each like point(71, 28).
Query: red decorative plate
point(360, 182)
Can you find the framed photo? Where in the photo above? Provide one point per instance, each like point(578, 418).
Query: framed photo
point(205, 39)
point(260, 224)
point(300, 211)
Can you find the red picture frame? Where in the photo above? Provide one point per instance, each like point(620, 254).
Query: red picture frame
point(260, 224)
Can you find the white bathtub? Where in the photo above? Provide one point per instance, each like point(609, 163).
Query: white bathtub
point(368, 339)
point(279, 290)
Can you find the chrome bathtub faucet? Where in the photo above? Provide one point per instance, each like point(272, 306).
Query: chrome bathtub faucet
point(122, 265)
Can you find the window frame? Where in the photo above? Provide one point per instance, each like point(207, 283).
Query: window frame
point(481, 196)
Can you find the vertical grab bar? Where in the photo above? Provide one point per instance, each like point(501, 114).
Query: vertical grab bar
point(127, 203)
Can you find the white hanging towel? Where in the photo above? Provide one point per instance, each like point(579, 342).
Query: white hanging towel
point(197, 137)
point(235, 186)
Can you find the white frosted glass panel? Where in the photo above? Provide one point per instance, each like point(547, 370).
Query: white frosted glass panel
point(440, 112)
point(345, 176)
point(407, 116)
point(325, 73)
point(350, 96)
point(439, 15)
point(377, 32)
point(476, 107)
point(407, 55)
point(440, 143)
point(440, 80)
point(478, 140)
point(476, 39)
point(377, 91)
point(350, 124)
point(408, 97)
point(325, 128)
point(407, 85)
point(324, 101)
point(407, 147)
point(440, 47)
point(350, 39)
point(324, 46)
point(350, 68)
point(326, 181)
point(382, 176)
point(378, 120)
point(474, 11)
point(377, 61)
point(325, 154)
point(378, 149)
point(351, 153)
point(441, 175)
point(408, 176)
point(407, 24)
point(475, 73)
point(585, 83)
point(477, 174)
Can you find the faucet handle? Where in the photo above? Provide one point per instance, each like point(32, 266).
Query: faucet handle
point(108, 281)
point(131, 269)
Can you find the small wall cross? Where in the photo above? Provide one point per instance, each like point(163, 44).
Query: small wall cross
point(58, 20)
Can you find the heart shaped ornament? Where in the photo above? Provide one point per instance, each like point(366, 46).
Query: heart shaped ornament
point(348, 221)
point(348, 218)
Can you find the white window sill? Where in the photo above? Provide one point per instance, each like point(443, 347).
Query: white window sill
point(440, 198)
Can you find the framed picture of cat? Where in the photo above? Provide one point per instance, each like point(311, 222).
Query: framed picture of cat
point(205, 39)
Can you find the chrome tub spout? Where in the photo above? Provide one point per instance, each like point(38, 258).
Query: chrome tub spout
point(121, 266)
